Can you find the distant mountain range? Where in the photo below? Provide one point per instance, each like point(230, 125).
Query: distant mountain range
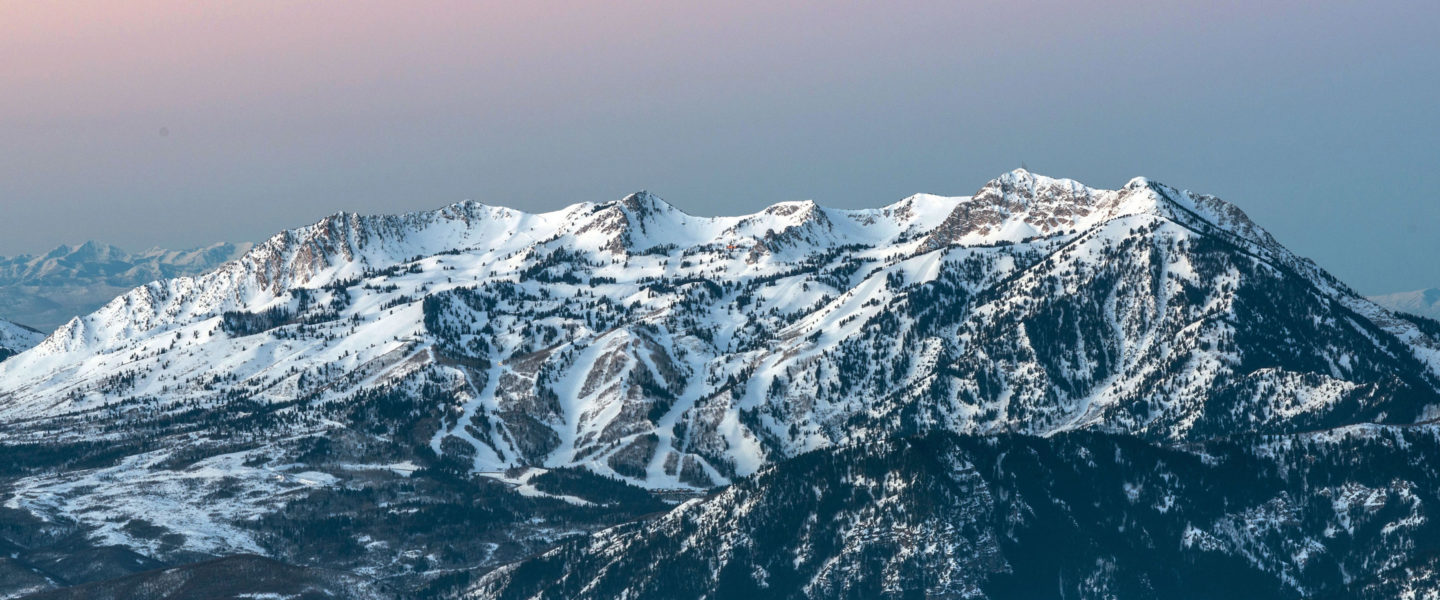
point(16, 338)
point(46, 291)
point(1425, 303)
point(803, 402)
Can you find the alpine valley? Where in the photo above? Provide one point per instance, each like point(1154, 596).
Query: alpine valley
point(1042, 390)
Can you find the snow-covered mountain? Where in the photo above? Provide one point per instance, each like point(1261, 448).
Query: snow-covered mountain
point(47, 290)
point(630, 340)
point(634, 339)
point(16, 338)
point(1425, 303)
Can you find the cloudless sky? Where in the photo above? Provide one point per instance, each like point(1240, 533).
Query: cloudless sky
point(178, 124)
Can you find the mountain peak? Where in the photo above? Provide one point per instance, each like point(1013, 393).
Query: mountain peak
point(627, 222)
point(804, 208)
point(1014, 206)
point(1019, 205)
point(1030, 185)
point(643, 204)
point(1136, 183)
point(1020, 176)
point(89, 250)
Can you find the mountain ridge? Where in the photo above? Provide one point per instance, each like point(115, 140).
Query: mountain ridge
point(632, 342)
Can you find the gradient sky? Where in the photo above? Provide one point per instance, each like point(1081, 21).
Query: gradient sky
point(1317, 118)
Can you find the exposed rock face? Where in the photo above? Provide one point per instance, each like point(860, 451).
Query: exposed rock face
point(1020, 204)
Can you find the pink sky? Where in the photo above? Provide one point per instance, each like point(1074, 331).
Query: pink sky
point(279, 113)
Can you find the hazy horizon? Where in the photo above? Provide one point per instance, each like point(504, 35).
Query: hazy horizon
point(169, 124)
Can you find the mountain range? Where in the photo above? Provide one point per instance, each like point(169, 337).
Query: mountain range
point(1425, 303)
point(433, 401)
point(48, 290)
point(16, 338)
